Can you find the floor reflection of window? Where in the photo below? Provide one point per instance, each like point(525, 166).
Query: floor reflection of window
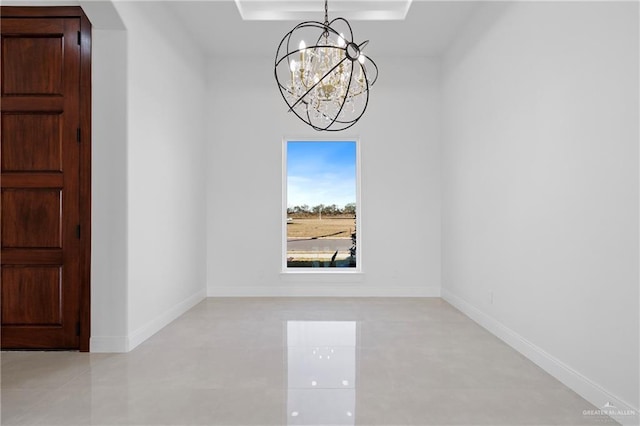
point(321, 372)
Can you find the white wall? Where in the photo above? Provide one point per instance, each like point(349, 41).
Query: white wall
point(109, 309)
point(540, 186)
point(165, 169)
point(399, 136)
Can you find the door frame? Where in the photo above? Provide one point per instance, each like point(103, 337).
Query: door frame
point(85, 148)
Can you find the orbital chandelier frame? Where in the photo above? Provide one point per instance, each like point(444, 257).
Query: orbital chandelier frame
point(326, 84)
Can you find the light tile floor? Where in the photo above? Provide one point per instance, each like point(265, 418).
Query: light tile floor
point(296, 361)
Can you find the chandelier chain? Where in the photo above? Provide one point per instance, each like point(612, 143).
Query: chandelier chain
point(325, 34)
point(326, 13)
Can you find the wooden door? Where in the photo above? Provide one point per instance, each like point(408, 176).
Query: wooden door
point(44, 150)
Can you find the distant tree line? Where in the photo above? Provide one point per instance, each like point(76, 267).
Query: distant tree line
point(322, 210)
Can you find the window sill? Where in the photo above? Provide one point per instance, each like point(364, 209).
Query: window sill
point(322, 275)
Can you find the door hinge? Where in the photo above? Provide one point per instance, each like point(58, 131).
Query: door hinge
point(79, 38)
point(78, 134)
point(78, 231)
point(77, 329)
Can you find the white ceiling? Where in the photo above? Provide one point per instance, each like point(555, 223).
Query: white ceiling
point(427, 30)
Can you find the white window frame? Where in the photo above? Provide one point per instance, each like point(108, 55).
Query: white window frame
point(359, 231)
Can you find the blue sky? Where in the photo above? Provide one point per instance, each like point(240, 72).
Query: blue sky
point(321, 173)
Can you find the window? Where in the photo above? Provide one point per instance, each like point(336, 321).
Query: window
point(321, 194)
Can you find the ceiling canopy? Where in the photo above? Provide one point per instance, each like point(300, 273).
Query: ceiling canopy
point(284, 10)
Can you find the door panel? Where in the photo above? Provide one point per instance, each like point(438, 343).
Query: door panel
point(41, 57)
point(40, 282)
point(32, 218)
point(43, 273)
point(32, 142)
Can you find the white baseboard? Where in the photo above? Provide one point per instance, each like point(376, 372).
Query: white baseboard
point(322, 290)
point(108, 344)
point(580, 384)
point(157, 324)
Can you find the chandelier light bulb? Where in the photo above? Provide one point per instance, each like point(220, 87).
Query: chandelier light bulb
point(325, 84)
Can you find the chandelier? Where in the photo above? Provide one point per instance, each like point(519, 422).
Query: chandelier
point(326, 84)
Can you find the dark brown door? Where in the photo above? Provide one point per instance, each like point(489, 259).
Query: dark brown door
point(43, 251)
